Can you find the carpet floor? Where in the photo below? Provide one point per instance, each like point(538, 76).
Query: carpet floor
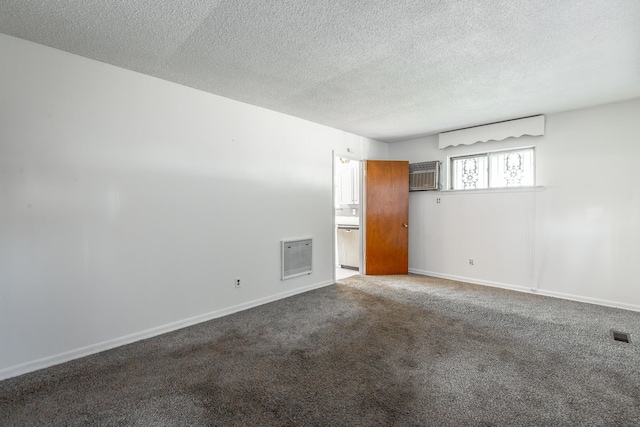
point(385, 350)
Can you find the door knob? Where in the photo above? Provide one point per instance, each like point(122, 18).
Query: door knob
point(406, 225)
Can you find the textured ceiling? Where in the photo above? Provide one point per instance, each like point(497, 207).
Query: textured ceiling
point(385, 69)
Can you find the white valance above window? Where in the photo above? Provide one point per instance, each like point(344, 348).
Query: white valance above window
point(533, 126)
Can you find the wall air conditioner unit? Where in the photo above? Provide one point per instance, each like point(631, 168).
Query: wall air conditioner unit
point(424, 176)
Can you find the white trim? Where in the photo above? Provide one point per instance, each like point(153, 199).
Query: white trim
point(360, 160)
point(597, 301)
point(45, 362)
point(561, 295)
point(470, 280)
point(523, 189)
point(363, 217)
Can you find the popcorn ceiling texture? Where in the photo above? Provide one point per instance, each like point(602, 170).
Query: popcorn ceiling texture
point(389, 70)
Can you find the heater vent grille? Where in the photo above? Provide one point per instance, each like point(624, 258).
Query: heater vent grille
point(621, 336)
point(296, 257)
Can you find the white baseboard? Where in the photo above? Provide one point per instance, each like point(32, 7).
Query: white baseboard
point(45, 362)
point(597, 301)
point(571, 297)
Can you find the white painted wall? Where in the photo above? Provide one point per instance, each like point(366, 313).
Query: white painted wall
point(576, 238)
point(128, 204)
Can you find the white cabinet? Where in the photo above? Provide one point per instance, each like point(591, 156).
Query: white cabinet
point(349, 246)
point(349, 184)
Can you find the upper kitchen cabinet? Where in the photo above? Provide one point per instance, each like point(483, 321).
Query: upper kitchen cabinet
point(348, 183)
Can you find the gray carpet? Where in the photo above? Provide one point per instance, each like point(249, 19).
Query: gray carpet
point(388, 350)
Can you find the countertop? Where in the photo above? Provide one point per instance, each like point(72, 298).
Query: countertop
point(347, 220)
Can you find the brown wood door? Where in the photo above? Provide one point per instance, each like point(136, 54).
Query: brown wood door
point(386, 217)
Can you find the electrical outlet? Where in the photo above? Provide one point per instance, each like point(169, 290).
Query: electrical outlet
point(470, 261)
point(238, 280)
point(438, 200)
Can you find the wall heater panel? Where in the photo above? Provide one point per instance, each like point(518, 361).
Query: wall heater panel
point(296, 257)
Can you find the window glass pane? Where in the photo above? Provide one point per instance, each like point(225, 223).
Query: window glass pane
point(511, 168)
point(469, 172)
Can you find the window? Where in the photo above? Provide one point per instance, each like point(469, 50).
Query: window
point(498, 169)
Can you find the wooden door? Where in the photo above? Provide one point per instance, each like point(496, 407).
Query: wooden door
point(386, 217)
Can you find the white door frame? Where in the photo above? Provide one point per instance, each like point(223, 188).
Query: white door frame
point(350, 156)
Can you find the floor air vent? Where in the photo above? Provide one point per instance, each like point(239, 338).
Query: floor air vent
point(621, 336)
point(296, 257)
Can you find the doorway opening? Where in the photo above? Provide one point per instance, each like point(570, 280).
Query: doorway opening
point(347, 215)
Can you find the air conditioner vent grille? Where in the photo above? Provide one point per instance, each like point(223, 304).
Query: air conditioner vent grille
point(424, 176)
point(423, 180)
point(423, 166)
